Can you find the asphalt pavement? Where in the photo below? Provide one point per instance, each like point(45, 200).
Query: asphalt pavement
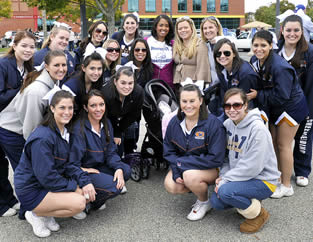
point(148, 213)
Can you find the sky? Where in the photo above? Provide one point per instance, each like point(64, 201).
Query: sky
point(253, 5)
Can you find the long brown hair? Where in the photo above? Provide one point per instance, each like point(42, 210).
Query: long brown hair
point(32, 76)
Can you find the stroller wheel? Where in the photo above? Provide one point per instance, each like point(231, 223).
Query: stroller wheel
point(145, 168)
point(135, 173)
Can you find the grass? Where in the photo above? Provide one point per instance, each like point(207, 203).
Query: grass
point(4, 49)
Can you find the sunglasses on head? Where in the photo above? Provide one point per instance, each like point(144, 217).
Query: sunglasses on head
point(210, 18)
point(226, 53)
point(236, 106)
point(183, 18)
point(98, 31)
point(110, 50)
point(139, 49)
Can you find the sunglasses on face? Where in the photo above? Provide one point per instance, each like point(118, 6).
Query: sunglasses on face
point(226, 53)
point(98, 31)
point(110, 50)
point(236, 106)
point(142, 50)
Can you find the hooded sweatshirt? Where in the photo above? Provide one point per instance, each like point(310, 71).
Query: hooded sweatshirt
point(251, 151)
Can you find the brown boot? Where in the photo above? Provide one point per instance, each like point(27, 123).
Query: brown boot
point(254, 225)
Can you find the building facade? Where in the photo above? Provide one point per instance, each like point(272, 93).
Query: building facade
point(229, 12)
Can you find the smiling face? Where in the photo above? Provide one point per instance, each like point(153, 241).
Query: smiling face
point(261, 48)
point(124, 85)
point(63, 112)
point(209, 30)
point(60, 40)
point(24, 49)
point(130, 26)
point(112, 52)
point(57, 68)
point(236, 115)
point(184, 30)
point(99, 34)
point(162, 29)
point(140, 52)
point(95, 108)
point(226, 58)
point(190, 104)
point(292, 32)
point(93, 71)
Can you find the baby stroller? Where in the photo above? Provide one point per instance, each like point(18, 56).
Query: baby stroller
point(159, 99)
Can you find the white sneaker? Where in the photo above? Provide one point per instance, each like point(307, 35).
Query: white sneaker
point(282, 191)
point(51, 224)
point(80, 216)
point(38, 224)
point(302, 181)
point(124, 190)
point(104, 206)
point(198, 210)
point(10, 212)
point(17, 206)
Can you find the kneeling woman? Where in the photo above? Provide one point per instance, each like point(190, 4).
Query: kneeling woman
point(250, 174)
point(94, 149)
point(194, 146)
point(46, 183)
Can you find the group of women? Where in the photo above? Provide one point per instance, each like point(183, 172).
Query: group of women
point(66, 122)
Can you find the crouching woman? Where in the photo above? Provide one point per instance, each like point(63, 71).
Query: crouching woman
point(46, 183)
point(250, 174)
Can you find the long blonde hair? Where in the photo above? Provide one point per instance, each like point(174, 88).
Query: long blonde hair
point(212, 20)
point(118, 61)
point(54, 31)
point(179, 47)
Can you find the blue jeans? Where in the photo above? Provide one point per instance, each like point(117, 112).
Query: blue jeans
point(239, 194)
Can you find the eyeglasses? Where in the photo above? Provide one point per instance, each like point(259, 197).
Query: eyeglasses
point(98, 31)
point(111, 50)
point(226, 53)
point(139, 49)
point(236, 106)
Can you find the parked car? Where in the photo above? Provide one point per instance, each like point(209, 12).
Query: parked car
point(9, 36)
point(243, 41)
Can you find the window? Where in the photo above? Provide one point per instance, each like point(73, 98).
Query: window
point(196, 5)
point(182, 5)
point(224, 5)
point(133, 5)
point(166, 6)
point(211, 6)
point(150, 5)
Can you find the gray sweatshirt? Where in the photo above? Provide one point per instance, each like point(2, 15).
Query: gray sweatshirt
point(25, 112)
point(251, 151)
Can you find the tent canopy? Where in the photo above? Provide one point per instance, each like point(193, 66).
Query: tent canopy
point(256, 24)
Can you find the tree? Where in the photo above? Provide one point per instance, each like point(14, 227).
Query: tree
point(109, 8)
point(5, 8)
point(268, 14)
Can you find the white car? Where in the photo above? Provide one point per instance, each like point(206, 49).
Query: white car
point(243, 41)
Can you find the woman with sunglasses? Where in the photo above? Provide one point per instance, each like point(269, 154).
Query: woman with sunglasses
point(232, 71)
point(189, 53)
point(14, 67)
point(89, 77)
point(93, 149)
point(161, 48)
point(124, 100)
point(250, 174)
point(112, 59)
point(283, 98)
point(57, 40)
point(211, 28)
point(293, 47)
point(125, 38)
point(141, 57)
point(97, 35)
point(47, 184)
point(194, 146)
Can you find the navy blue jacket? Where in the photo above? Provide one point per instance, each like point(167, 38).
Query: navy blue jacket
point(39, 57)
point(305, 75)
point(282, 91)
point(74, 84)
point(89, 150)
point(10, 80)
point(122, 114)
point(203, 149)
point(44, 164)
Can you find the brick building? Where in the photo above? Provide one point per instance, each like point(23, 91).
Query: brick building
point(229, 12)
